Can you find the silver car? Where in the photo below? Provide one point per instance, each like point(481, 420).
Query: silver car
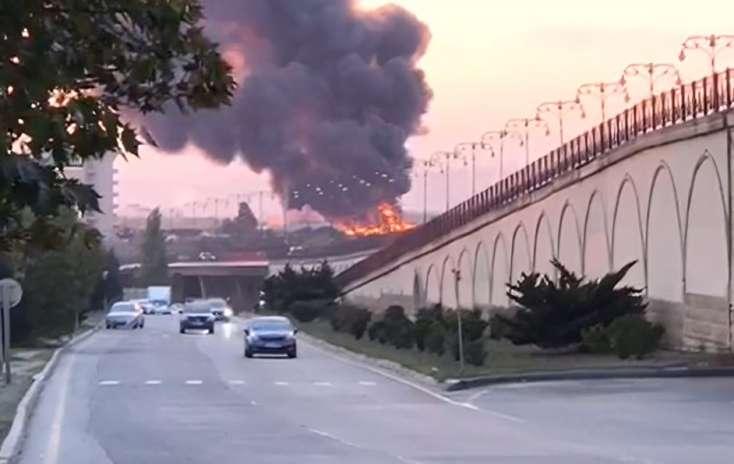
point(125, 315)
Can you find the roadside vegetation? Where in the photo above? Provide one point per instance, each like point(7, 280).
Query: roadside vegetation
point(554, 323)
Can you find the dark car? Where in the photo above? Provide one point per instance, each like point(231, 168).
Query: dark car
point(125, 315)
point(197, 315)
point(270, 335)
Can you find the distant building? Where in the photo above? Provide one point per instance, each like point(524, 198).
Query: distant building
point(101, 175)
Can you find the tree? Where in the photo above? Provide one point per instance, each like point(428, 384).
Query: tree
point(109, 288)
point(154, 263)
point(554, 314)
point(71, 70)
point(58, 283)
point(243, 225)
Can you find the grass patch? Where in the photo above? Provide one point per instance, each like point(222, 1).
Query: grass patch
point(25, 364)
point(504, 357)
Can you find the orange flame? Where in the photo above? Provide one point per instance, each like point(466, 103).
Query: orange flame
point(388, 222)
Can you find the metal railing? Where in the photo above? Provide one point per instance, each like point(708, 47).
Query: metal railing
point(680, 104)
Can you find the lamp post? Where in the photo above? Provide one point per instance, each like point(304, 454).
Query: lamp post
point(712, 45)
point(445, 168)
point(426, 164)
point(473, 146)
point(604, 91)
point(560, 109)
point(522, 127)
point(499, 137)
point(460, 332)
point(652, 72)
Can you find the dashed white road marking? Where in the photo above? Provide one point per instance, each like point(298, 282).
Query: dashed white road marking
point(194, 382)
point(236, 382)
point(322, 384)
point(109, 382)
point(253, 402)
point(367, 383)
point(281, 383)
point(152, 382)
point(415, 386)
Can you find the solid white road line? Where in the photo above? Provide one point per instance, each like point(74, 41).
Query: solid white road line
point(194, 382)
point(367, 383)
point(415, 386)
point(152, 382)
point(109, 382)
point(281, 384)
point(322, 384)
point(476, 396)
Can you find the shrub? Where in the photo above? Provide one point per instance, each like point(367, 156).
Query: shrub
point(634, 336)
point(401, 333)
point(553, 314)
point(376, 332)
point(351, 319)
point(498, 328)
point(425, 317)
point(595, 340)
point(475, 352)
point(306, 311)
point(435, 341)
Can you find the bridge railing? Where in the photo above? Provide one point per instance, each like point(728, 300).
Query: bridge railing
point(680, 104)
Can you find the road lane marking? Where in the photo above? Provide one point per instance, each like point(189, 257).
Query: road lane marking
point(415, 386)
point(194, 382)
point(322, 384)
point(109, 382)
point(476, 396)
point(330, 436)
point(281, 384)
point(367, 383)
point(236, 382)
point(152, 382)
point(253, 402)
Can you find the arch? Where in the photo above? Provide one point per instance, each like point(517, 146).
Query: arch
point(596, 244)
point(519, 261)
point(706, 272)
point(482, 277)
point(544, 249)
point(432, 287)
point(465, 288)
point(627, 237)
point(569, 239)
point(663, 236)
point(499, 272)
point(448, 289)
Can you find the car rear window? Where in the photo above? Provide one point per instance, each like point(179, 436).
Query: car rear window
point(122, 308)
point(196, 308)
point(271, 325)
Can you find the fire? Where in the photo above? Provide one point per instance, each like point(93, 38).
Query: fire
point(388, 222)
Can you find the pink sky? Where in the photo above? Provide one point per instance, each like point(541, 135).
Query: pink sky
point(488, 61)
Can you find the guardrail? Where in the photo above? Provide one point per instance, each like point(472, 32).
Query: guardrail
point(678, 105)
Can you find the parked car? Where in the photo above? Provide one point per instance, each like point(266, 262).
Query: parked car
point(221, 309)
point(126, 315)
point(197, 315)
point(270, 335)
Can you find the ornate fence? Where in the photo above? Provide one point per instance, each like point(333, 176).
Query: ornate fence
point(684, 103)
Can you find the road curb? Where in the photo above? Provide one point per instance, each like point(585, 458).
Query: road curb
point(14, 439)
point(673, 371)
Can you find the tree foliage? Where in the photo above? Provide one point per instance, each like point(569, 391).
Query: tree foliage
point(288, 286)
point(553, 314)
point(58, 284)
point(153, 260)
point(71, 70)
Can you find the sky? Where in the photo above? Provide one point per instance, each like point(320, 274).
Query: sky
point(488, 61)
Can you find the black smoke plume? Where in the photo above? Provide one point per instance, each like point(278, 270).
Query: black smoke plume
point(328, 95)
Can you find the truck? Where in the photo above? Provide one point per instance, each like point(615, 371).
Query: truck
point(159, 296)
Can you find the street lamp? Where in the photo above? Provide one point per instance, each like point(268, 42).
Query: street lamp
point(499, 137)
point(522, 127)
point(473, 146)
point(560, 109)
point(712, 45)
point(651, 71)
point(427, 165)
point(445, 168)
point(460, 332)
point(602, 90)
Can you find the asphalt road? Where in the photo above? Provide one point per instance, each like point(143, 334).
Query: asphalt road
point(155, 396)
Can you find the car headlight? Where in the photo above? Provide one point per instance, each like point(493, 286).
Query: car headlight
point(228, 312)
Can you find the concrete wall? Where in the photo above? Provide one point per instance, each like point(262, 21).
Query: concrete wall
point(662, 200)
